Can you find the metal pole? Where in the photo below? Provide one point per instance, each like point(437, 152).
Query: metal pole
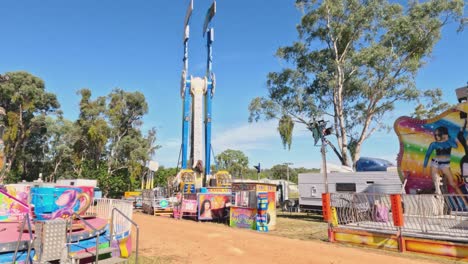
point(287, 169)
point(324, 164)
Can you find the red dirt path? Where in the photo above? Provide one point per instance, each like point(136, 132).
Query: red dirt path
point(185, 241)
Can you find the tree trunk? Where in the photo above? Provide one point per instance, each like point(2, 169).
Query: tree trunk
point(52, 175)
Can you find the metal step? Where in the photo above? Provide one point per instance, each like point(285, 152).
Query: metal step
point(114, 260)
point(92, 253)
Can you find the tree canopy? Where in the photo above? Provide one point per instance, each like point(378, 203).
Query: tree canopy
point(234, 161)
point(353, 61)
point(26, 104)
point(104, 143)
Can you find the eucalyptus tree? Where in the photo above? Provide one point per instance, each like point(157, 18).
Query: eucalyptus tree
point(353, 61)
point(26, 103)
point(126, 147)
point(111, 146)
point(61, 136)
point(90, 147)
point(234, 161)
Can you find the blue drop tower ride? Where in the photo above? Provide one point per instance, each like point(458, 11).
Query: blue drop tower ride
point(197, 94)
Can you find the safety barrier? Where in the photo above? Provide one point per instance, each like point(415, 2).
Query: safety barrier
point(443, 216)
point(425, 215)
point(102, 208)
point(363, 210)
point(426, 223)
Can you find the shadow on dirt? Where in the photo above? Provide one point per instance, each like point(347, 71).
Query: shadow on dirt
point(301, 216)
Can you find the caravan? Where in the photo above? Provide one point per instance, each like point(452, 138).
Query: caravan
point(311, 185)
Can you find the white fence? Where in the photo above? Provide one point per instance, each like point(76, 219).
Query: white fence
point(102, 208)
point(436, 215)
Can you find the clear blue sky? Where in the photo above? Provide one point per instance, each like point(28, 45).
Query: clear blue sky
point(137, 46)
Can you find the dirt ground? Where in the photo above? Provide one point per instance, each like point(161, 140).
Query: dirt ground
point(166, 240)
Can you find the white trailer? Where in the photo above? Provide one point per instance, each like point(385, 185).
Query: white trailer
point(311, 185)
point(77, 182)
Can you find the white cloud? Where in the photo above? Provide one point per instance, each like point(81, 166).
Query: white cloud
point(250, 136)
point(253, 136)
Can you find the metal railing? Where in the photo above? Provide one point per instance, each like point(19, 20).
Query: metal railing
point(90, 226)
point(102, 208)
point(436, 215)
point(363, 210)
point(425, 215)
point(130, 221)
point(26, 219)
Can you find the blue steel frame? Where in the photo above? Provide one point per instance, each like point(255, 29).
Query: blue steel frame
point(186, 90)
point(208, 101)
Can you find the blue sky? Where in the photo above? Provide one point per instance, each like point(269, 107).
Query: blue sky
point(137, 46)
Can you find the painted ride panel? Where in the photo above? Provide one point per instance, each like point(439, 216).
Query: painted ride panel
point(433, 150)
point(60, 202)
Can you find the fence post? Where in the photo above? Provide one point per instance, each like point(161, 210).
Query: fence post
point(398, 219)
point(327, 215)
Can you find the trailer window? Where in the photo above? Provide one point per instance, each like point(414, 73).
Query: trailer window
point(313, 191)
point(346, 187)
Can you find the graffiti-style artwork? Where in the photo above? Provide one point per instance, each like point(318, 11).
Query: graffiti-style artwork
point(52, 203)
point(242, 217)
point(85, 198)
point(434, 152)
point(14, 203)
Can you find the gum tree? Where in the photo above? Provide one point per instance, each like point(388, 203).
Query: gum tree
point(353, 61)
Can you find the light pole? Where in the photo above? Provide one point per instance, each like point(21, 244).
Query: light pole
point(287, 168)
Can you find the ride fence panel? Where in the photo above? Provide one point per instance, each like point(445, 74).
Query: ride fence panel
point(102, 208)
point(368, 211)
point(431, 215)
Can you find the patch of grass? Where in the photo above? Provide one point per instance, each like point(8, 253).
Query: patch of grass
point(300, 226)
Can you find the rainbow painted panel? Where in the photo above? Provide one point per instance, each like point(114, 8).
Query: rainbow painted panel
point(415, 137)
point(441, 248)
point(372, 240)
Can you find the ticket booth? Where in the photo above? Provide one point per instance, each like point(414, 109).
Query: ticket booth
point(253, 206)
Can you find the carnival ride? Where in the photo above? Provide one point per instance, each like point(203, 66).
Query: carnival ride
point(203, 195)
point(195, 177)
point(197, 95)
point(430, 214)
point(43, 223)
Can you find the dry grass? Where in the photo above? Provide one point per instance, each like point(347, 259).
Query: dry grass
point(300, 226)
